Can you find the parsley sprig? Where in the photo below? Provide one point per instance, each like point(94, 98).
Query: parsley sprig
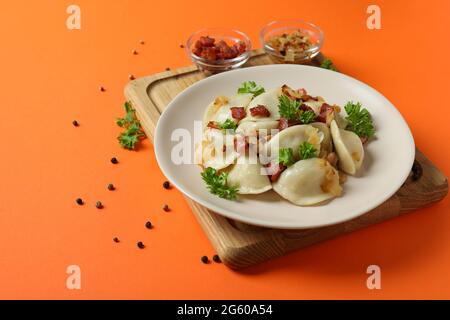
point(328, 64)
point(290, 109)
point(251, 87)
point(359, 120)
point(286, 157)
point(217, 184)
point(132, 126)
point(306, 151)
point(228, 125)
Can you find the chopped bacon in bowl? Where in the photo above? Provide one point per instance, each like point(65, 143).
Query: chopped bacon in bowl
point(207, 48)
point(260, 111)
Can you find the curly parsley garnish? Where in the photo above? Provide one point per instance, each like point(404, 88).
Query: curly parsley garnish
point(307, 116)
point(132, 126)
point(286, 157)
point(359, 120)
point(217, 184)
point(228, 125)
point(288, 108)
point(306, 151)
point(251, 87)
point(328, 64)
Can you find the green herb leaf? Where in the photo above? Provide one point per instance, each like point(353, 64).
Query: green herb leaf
point(306, 151)
point(307, 117)
point(131, 124)
point(228, 125)
point(286, 157)
point(217, 184)
point(328, 64)
point(251, 87)
point(288, 108)
point(359, 120)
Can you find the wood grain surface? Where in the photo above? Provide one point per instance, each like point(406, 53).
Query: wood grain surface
point(240, 245)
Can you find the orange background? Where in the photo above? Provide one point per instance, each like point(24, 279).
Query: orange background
point(50, 76)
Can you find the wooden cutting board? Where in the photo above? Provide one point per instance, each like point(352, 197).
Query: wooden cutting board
point(240, 245)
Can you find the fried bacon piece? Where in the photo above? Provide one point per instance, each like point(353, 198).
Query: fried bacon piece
point(260, 111)
point(284, 123)
point(213, 125)
point(274, 170)
point(238, 113)
point(207, 48)
point(325, 111)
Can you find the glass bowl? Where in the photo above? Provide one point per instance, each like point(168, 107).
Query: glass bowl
point(231, 37)
point(277, 28)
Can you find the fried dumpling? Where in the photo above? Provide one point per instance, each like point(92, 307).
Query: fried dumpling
point(220, 109)
point(251, 128)
point(308, 182)
point(249, 177)
point(269, 100)
point(326, 146)
point(293, 137)
point(348, 147)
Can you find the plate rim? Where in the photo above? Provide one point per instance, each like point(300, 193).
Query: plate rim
point(263, 223)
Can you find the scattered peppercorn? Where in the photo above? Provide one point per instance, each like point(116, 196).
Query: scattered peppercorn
point(114, 160)
point(135, 52)
point(98, 205)
point(142, 42)
point(181, 46)
point(111, 187)
point(216, 259)
point(166, 208)
point(205, 259)
point(116, 240)
point(140, 245)
point(166, 185)
point(102, 89)
point(80, 201)
point(167, 69)
point(148, 225)
point(75, 123)
point(131, 77)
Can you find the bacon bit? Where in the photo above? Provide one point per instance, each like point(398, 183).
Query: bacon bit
point(238, 113)
point(241, 144)
point(284, 123)
point(305, 107)
point(302, 92)
point(213, 125)
point(274, 170)
point(260, 111)
point(307, 97)
point(325, 110)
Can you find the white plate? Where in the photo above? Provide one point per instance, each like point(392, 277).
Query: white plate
point(388, 160)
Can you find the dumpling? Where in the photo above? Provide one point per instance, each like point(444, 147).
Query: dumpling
point(216, 150)
point(220, 109)
point(348, 147)
point(251, 128)
point(269, 100)
point(308, 182)
point(248, 177)
point(326, 146)
point(293, 137)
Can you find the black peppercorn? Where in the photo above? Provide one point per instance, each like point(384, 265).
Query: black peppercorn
point(140, 245)
point(166, 208)
point(166, 185)
point(98, 205)
point(114, 160)
point(216, 259)
point(75, 123)
point(205, 259)
point(148, 225)
point(102, 89)
point(115, 239)
point(80, 201)
point(111, 187)
point(167, 69)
